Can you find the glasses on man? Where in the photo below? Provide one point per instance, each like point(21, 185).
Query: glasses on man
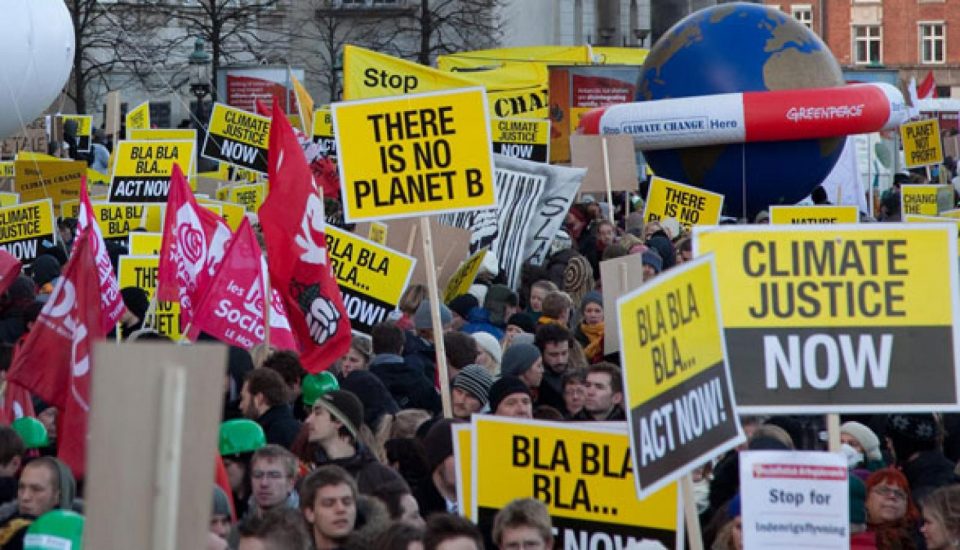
point(271, 475)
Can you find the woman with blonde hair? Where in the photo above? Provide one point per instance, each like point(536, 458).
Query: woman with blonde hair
point(941, 518)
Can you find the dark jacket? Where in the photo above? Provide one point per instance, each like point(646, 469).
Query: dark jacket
point(421, 355)
point(364, 467)
point(279, 425)
point(551, 391)
point(927, 472)
point(409, 388)
point(617, 413)
point(429, 499)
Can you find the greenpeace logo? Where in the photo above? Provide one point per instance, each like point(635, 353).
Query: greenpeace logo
point(798, 114)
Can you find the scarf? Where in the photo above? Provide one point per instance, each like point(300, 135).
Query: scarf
point(594, 334)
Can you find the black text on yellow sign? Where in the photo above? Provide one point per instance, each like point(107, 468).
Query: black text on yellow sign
point(463, 277)
point(141, 272)
point(238, 138)
point(24, 227)
point(142, 169)
point(117, 220)
point(323, 132)
point(583, 476)
point(676, 377)
point(687, 204)
point(832, 318)
point(921, 143)
point(57, 179)
point(797, 215)
point(522, 138)
point(419, 154)
point(925, 199)
point(371, 277)
point(84, 130)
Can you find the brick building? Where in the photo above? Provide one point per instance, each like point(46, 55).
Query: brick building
point(911, 36)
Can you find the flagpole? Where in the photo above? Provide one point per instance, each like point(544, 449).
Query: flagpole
point(441, 353)
point(267, 300)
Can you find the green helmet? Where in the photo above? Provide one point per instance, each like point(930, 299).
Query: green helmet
point(240, 436)
point(32, 432)
point(55, 530)
point(315, 385)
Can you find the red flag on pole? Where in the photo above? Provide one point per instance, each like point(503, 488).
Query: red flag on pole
point(928, 88)
point(15, 403)
point(9, 270)
point(111, 302)
point(292, 219)
point(54, 362)
point(194, 240)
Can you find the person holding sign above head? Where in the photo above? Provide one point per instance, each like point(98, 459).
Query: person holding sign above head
point(941, 519)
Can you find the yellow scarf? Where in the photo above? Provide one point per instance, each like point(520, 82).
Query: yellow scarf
point(594, 334)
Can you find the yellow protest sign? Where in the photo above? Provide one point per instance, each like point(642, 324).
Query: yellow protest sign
point(138, 119)
point(464, 276)
point(583, 475)
point(689, 205)
point(57, 180)
point(827, 318)
point(304, 104)
point(547, 55)
point(322, 132)
point(231, 213)
point(70, 208)
point(153, 217)
point(921, 143)
point(84, 130)
point(10, 199)
point(249, 196)
point(462, 438)
point(24, 227)
point(522, 138)
point(954, 213)
point(676, 381)
point(237, 137)
point(141, 243)
point(371, 277)
point(7, 169)
point(378, 232)
point(419, 154)
point(141, 271)
point(813, 214)
point(162, 134)
point(925, 200)
point(142, 169)
point(117, 220)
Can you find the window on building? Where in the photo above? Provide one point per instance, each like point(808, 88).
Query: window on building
point(933, 42)
point(803, 13)
point(867, 48)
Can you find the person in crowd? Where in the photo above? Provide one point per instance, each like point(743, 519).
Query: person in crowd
point(502, 303)
point(439, 493)
point(860, 537)
point(554, 343)
point(574, 391)
point(239, 439)
point(603, 399)
point(273, 471)
point(461, 351)
point(277, 530)
point(400, 502)
point(478, 321)
point(15, 306)
point(99, 154)
point(335, 425)
point(590, 330)
point(914, 439)
point(489, 354)
point(684, 248)
point(400, 536)
point(220, 517)
point(941, 518)
point(45, 483)
point(329, 506)
point(524, 361)
point(523, 524)
point(578, 280)
point(409, 302)
point(264, 398)
point(460, 308)
point(470, 392)
point(730, 534)
point(46, 274)
point(12, 452)
point(891, 513)
point(418, 347)
point(652, 264)
point(510, 396)
point(451, 532)
point(358, 356)
point(556, 309)
point(373, 395)
point(287, 364)
point(538, 291)
point(407, 383)
point(862, 447)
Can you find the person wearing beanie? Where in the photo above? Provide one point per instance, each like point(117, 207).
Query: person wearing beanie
point(470, 391)
point(490, 354)
point(652, 264)
point(419, 351)
point(510, 396)
point(460, 308)
point(520, 322)
point(423, 321)
point(335, 424)
point(523, 361)
point(865, 443)
point(501, 303)
point(374, 396)
point(915, 441)
point(589, 331)
point(439, 492)
point(220, 516)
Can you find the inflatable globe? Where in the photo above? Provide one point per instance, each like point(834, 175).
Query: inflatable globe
point(737, 48)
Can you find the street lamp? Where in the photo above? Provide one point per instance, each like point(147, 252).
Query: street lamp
point(199, 77)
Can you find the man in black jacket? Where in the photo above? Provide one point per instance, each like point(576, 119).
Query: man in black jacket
point(264, 398)
point(407, 384)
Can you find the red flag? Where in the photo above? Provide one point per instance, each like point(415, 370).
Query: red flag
point(223, 481)
point(293, 225)
point(9, 270)
point(111, 302)
point(928, 88)
point(15, 403)
point(231, 309)
point(193, 245)
point(54, 362)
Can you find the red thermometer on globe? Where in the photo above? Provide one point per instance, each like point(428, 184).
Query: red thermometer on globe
point(779, 115)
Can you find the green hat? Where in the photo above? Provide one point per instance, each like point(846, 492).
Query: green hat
point(32, 432)
point(241, 436)
point(55, 530)
point(315, 385)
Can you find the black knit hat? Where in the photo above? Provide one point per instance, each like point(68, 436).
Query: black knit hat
point(374, 396)
point(505, 387)
point(438, 442)
point(345, 407)
point(523, 321)
point(476, 381)
point(462, 304)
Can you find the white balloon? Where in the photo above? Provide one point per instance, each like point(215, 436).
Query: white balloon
point(37, 48)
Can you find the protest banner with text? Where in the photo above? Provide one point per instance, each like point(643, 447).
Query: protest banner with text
point(522, 138)
point(137, 119)
point(828, 318)
point(249, 196)
point(57, 180)
point(676, 378)
point(142, 169)
point(464, 276)
point(921, 143)
point(796, 215)
point(687, 204)
point(322, 133)
point(238, 138)
point(24, 227)
point(141, 271)
point(414, 155)
point(84, 130)
point(925, 200)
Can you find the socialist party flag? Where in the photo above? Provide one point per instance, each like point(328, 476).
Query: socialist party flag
point(292, 219)
point(54, 363)
point(111, 302)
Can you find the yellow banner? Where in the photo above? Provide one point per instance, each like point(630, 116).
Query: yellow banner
point(921, 143)
point(249, 196)
point(7, 170)
point(23, 227)
point(138, 119)
point(161, 134)
point(512, 91)
point(462, 439)
point(141, 271)
point(687, 204)
point(142, 169)
point(322, 132)
point(813, 214)
point(415, 155)
point(84, 129)
point(117, 220)
point(463, 277)
point(238, 138)
point(70, 208)
point(583, 475)
point(153, 218)
point(925, 200)
point(144, 244)
point(231, 213)
point(58, 180)
point(548, 55)
point(10, 199)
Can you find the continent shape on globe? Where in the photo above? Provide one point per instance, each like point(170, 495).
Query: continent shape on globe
point(742, 47)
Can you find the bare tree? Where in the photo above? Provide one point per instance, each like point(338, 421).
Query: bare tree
point(438, 27)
